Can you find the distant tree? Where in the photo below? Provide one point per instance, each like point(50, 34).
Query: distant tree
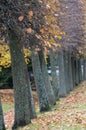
point(84, 70)
point(62, 89)
point(53, 63)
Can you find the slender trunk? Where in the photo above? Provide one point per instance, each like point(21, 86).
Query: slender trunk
point(40, 86)
point(2, 125)
point(62, 89)
point(48, 87)
point(66, 71)
point(80, 72)
point(81, 62)
point(53, 74)
point(20, 82)
point(84, 69)
point(76, 72)
point(73, 71)
point(70, 72)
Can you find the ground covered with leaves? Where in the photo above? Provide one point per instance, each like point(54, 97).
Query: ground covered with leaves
point(68, 114)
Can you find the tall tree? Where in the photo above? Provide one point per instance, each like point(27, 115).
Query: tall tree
point(62, 88)
point(20, 82)
point(42, 94)
point(48, 87)
point(53, 64)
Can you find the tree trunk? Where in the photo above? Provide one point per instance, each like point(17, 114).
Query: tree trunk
point(48, 87)
point(21, 83)
point(62, 89)
point(53, 74)
point(2, 125)
point(73, 71)
point(80, 72)
point(70, 72)
point(40, 86)
point(81, 63)
point(66, 70)
point(84, 69)
point(31, 102)
point(76, 72)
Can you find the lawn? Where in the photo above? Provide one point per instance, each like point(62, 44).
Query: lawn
point(7, 107)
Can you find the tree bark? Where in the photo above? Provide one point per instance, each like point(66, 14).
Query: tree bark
point(48, 87)
point(84, 69)
point(2, 125)
point(73, 70)
point(62, 89)
point(76, 72)
point(40, 86)
point(53, 74)
point(81, 63)
point(80, 72)
point(66, 70)
point(70, 72)
point(31, 102)
point(21, 85)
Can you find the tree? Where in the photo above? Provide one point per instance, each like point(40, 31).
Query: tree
point(48, 87)
point(53, 64)
point(20, 82)
point(42, 94)
point(62, 89)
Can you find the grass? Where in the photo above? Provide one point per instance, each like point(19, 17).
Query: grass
point(7, 107)
point(54, 125)
point(68, 114)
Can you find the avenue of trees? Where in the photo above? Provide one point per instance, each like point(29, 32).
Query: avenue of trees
point(38, 29)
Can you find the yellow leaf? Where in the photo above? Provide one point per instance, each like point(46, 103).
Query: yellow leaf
point(59, 37)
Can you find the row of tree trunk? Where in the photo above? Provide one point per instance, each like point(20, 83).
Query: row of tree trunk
point(71, 73)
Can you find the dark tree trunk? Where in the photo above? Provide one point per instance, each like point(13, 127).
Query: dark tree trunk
point(40, 86)
point(84, 69)
point(66, 70)
point(21, 83)
point(31, 102)
point(62, 89)
point(2, 125)
point(48, 87)
point(76, 72)
point(80, 72)
point(81, 63)
point(70, 72)
point(53, 73)
point(73, 70)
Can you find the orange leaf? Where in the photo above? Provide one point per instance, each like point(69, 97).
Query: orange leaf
point(29, 30)
point(30, 13)
point(20, 18)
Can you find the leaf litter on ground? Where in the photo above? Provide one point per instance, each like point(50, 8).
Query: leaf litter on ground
point(68, 114)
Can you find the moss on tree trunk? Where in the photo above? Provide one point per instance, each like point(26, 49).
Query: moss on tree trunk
point(42, 95)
